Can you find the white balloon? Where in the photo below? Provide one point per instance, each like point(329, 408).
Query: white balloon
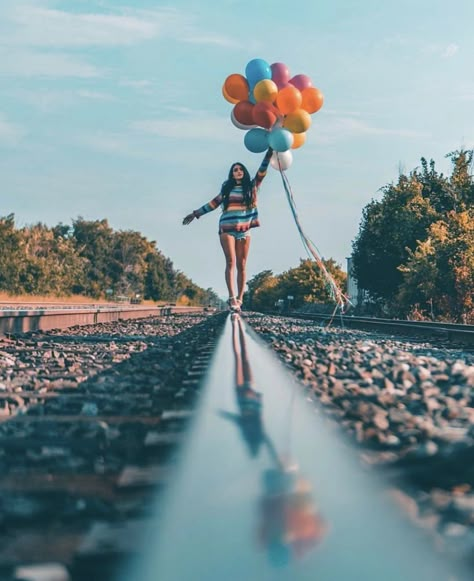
point(281, 160)
point(238, 124)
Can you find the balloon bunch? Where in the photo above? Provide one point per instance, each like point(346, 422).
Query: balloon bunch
point(274, 108)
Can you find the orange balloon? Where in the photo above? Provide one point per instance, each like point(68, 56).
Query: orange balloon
point(243, 112)
point(265, 114)
point(265, 90)
point(312, 99)
point(298, 140)
point(236, 87)
point(288, 99)
point(298, 121)
point(227, 97)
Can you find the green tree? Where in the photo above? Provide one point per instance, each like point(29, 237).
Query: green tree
point(94, 242)
point(255, 285)
point(50, 264)
point(12, 256)
point(307, 283)
point(439, 273)
point(397, 254)
point(389, 229)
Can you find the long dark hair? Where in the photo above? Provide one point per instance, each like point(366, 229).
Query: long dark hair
point(246, 183)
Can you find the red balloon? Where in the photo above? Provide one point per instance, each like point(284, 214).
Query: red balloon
point(243, 112)
point(265, 114)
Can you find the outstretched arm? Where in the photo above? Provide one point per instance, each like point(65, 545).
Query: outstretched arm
point(262, 170)
point(212, 205)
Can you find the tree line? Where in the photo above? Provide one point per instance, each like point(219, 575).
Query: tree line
point(295, 288)
point(414, 253)
point(91, 259)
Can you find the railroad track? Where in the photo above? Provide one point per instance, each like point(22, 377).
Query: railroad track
point(28, 317)
point(90, 420)
point(435, 330)
point(174, 447)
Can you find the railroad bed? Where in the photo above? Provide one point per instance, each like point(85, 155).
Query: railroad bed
point(90, 419)
point(94, 418)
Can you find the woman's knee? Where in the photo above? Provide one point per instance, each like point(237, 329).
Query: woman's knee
point(241, 264)
point(229, 262)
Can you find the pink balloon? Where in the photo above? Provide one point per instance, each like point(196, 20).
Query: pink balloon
point(301, 82)
point(280, 74)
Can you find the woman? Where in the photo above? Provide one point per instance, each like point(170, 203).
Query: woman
point(238, 197)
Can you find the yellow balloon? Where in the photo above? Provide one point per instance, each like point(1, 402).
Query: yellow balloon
point(265, 90)
point(298, 122)
point(298, 140)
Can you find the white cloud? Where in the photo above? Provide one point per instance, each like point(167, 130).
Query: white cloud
point(198, 126)
point(26, 63)
point(450, 50)
point(445, 51)
point(192, 37)
point(34, 36)
point(47, 101)
point(10, 133)
point(37, 26)
point(108, 143)
point(349, 127)
point(140, 84)
point(95, 95)
point(27, 24)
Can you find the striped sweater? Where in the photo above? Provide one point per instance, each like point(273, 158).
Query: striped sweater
point(237, 217)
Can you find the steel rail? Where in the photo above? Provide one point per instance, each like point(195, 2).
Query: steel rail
point(24, 321)
point(446, 331)
point(265, 488)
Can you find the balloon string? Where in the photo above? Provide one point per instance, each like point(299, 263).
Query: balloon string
point(335, 292)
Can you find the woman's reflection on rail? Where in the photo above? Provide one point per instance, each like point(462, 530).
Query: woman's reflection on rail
point(249, 401)
point(289, 521)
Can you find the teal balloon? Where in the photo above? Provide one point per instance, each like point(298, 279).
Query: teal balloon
point(256, 140)
point(280, 139)
point(257, 70)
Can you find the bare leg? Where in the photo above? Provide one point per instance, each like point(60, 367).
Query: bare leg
point(228, 246)
point(242, 248)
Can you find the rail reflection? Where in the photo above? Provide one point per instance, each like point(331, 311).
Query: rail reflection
point(289, 523)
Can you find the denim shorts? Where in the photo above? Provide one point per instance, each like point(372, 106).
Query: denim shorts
point(238, 235)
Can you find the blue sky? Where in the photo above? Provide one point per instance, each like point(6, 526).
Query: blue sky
point(113, 109)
